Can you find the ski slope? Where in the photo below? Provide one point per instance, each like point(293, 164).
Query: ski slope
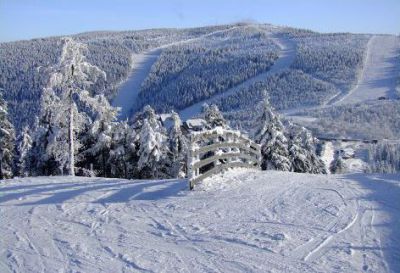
point(129, 90)
point(380, 73)
point(287, 55)
point(243, 221)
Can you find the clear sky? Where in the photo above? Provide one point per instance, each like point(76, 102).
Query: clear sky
point(24, 19)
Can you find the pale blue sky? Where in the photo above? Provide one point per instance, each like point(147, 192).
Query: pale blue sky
point(24, 19)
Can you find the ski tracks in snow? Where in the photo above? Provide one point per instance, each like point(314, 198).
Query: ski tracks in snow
point(240, 221)
point(366, 249)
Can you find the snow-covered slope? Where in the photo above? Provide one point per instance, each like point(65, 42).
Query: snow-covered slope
point(286, 57)
point(129, 90)
point(380, 73)
point(244, 221)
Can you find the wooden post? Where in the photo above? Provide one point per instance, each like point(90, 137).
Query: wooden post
point(189, 162)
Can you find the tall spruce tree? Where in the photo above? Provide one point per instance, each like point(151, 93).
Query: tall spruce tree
point(270, 135)
point(57, 136)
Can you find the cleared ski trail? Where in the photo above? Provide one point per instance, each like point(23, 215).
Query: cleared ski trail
point(287, 55)
point(243, 221)
point(129, 90)
point(380, 73)
point(142, 63)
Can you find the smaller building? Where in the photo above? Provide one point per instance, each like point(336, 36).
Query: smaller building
point(194, 125)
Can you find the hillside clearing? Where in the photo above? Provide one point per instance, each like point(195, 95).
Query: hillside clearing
point(379, 75)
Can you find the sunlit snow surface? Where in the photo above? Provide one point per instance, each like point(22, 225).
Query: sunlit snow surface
point(380, 73)
point(242, 221)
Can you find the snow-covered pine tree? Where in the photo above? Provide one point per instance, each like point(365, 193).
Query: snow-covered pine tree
point(152, 145)
point(214, 117)
point(309, 143)
point(23, 147)
point(123, 158)
point(99, 139)
point(178, 147)
point(298, 155)
point(338, 165)
point(383, 157)
point(51, 139)
point(56, 140)
point(270, 135)
point(302, 151)
point(7, 142)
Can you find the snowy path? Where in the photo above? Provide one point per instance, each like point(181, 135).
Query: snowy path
point(380, 73)
point(245, 221)
point(286, 57)
point(142, 63)
point(129, 90)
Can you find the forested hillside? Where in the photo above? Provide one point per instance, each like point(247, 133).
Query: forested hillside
point(204, 64)
point(359, 120)
point(25, 66)
point(188, 73)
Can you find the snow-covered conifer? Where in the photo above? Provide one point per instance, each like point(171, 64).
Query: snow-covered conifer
point(178, 147)
point(214, 117)
point(123, 158)
point(338, 165)
point(65, 114)
point(302, 151)
point(270, 135)
point(152, 145)
point(23, 147)
point(298, 155)
point(7, 142)
point(97, 142)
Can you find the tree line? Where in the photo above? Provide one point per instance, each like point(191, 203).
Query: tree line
point(142, 148)
point(77, 132)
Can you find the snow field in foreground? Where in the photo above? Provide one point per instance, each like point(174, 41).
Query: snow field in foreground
point(241, 221)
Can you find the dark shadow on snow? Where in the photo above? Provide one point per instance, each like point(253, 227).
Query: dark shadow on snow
point(118, 191)
point(54, 187)
point(147, 190)
point(64, 196)
point(384, 190)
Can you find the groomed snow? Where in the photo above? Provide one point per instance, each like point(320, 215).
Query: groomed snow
point(242, 221)
point(129, 90)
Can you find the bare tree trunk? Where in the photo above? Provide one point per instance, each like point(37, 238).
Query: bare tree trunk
point(71, 139)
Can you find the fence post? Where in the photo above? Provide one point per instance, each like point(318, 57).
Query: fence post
point(189, 163)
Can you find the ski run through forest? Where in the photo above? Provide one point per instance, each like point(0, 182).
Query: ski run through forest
point(96, 131)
